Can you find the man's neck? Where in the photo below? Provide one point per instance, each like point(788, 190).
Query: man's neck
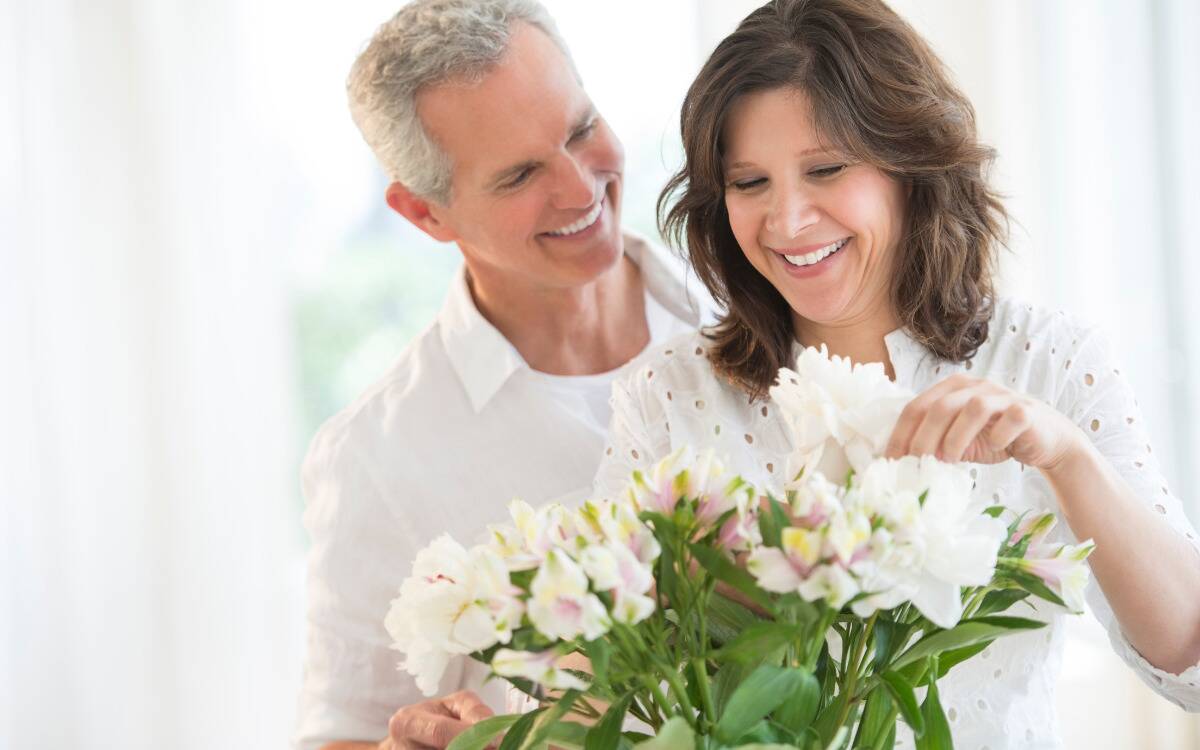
point(582, 330)
point(860, 340)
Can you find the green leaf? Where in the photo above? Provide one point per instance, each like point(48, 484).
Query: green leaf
point(999, 601)
point(756, 640)
point(905, 699)
point(721, 568)
point(953, 657)
point(606, 734)
point(826, 723)
point(481, 733)
point(567, 735)
point(724, 682)
point(966, 633)
point(520, 730)
point(838, 739)
point(599, 653)
point(769, 526)
point(727, 618)
point(937, 730)
point(994, 511)
point(549, 718)
point(759, 694)
point(877, 717)
point(674, 735)
point(800, 708)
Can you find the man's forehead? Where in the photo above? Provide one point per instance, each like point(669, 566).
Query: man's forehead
point(517, 110)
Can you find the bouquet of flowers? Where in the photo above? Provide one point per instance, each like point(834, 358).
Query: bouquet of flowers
point(722, 615)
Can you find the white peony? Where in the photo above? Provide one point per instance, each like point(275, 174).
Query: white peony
point(456, 601)
point(938, 539)
point(840, 414)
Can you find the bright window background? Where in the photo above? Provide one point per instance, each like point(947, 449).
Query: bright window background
point(196, 268)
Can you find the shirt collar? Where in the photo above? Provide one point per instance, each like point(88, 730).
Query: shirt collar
point(670, 281)
point(483, 359)
point(906, 354)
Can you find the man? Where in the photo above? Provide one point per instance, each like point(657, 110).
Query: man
point(475, 109)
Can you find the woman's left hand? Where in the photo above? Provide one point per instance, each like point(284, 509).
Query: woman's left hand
point(969, 419)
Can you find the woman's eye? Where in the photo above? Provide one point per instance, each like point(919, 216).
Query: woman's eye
point(829, 171)
point(744, 185)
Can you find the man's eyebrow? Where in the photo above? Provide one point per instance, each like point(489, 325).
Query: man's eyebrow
point(506, 174)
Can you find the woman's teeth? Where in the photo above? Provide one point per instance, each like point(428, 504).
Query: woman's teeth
point(582, 224)
point(816, 256)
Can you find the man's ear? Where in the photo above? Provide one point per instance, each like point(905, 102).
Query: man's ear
point(418, 211)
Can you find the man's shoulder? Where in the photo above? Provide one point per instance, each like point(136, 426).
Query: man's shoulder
point(420, 383)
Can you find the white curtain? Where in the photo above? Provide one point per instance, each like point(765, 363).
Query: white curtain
point(167, 170)
point(149, 510)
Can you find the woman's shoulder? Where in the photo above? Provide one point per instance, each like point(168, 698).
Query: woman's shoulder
point(682, 360)
point(1040, 330)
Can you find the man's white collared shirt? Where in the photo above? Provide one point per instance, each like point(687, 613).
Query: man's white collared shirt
point(459, 426)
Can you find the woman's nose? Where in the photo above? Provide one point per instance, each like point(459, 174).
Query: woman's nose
point(791, 213)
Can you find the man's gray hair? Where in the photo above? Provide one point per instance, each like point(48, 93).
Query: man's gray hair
point(429, 42)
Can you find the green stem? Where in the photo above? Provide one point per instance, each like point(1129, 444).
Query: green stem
point(700, 667)
point(854, 665)
point(680, 693)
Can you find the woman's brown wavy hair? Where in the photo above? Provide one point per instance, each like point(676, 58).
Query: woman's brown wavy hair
point(880, 94)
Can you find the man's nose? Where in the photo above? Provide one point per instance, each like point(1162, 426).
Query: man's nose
point(575, 185)
point(791, 212)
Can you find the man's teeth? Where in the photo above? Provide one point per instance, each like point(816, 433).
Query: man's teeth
point(816, 256)
point(583, 223)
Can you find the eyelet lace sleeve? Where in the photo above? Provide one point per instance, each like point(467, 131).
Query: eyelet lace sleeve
point(1099, 399)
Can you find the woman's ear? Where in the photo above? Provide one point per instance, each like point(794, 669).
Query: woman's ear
point(420, 212)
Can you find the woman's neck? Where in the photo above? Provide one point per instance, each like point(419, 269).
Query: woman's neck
point(860, 340)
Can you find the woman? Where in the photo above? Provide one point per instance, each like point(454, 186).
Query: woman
point(834, 193)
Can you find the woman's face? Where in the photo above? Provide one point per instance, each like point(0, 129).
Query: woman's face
point(820, 227)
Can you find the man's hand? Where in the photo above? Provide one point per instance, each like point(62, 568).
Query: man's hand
point(434, 723)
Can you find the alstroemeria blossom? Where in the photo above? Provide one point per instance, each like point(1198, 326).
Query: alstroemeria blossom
point(1065, 572)
point(840, 414)
point(560, 605)
point(543, 667)
point(456, 601)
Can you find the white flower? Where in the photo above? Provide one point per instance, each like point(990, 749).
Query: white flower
point(1066, 573)
point(560, 605)
point(939, 540)
point(840, 414)
point(613, 567)
point(542, 529)
point(542, 668)
point(833, 583)
point(455, 602)
point(603, 520)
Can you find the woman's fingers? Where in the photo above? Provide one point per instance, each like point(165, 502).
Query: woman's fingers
point(941, 414)
point(981, 409)
point(915, 414)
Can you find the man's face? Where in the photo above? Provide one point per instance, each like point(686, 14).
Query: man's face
point(537, 173)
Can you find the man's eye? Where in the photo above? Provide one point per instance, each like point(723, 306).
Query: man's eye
point(584, 132)
point(829, 171)
point(520, 179)
point(745, 185)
